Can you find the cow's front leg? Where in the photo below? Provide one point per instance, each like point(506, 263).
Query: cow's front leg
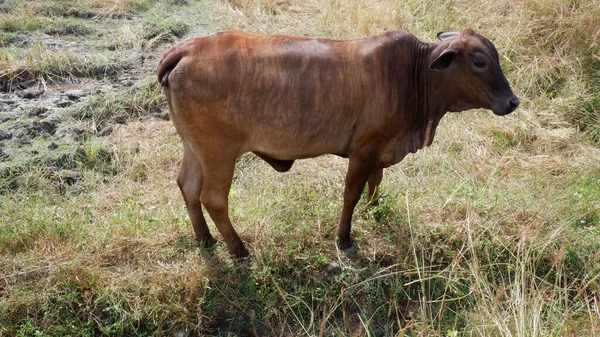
point(374, 181)
point(358, 172)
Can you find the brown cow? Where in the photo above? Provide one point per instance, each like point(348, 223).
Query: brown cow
point(372, 100)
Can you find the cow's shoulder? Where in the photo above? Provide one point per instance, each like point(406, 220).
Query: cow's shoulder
point(371, 45)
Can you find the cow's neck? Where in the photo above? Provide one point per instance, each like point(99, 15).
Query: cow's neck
point(420, 103)
point(426, 105)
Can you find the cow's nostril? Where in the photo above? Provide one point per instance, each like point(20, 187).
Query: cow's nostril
point(514, 102)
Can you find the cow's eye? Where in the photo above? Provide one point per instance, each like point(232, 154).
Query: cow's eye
point(480, 64)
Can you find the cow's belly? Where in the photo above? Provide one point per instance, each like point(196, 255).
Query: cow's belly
point(287, 146)
point(278, 133)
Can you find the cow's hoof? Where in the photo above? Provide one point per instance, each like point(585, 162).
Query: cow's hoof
point(347, 246)
point(240, 254)
point(206, 242)
point(351, 251)
point(344, 244)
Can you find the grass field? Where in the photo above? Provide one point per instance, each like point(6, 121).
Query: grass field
point(494, 230)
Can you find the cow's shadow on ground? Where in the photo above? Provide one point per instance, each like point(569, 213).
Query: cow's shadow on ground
point(252, 296)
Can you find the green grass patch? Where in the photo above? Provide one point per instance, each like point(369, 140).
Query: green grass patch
point(143, 98)
point(25, 67)
point(168, 28)
point(12, 25)
point(59, 167)
point(70, 28)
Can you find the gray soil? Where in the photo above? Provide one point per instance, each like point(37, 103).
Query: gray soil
point(44, 126)
point(52, 121)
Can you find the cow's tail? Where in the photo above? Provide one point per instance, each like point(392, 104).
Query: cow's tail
point(169, 62)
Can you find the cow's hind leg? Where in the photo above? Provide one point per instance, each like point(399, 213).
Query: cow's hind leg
point(374, 181)
point(218, 173)
point(356, 178)
point(189, 181)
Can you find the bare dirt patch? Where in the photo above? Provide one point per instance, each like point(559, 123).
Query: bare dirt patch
point(67, 84)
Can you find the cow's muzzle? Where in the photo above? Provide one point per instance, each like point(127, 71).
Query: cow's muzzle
point(509, 106)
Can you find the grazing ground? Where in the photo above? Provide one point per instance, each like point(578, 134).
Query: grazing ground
point(494, 230)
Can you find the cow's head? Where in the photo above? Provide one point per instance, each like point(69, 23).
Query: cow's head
point(471, 65)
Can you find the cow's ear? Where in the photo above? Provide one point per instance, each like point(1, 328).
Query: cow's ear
point(447, 35)
point(444, 60)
